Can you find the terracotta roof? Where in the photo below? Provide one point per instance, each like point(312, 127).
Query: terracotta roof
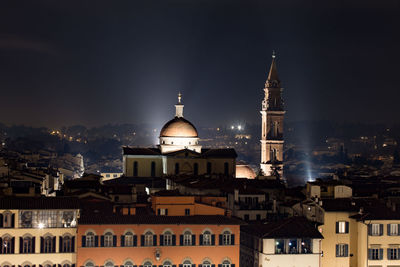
point(153, 219)
point(39, 203)
point(293, 227)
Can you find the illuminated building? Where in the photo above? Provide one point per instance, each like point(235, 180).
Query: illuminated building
point(272, 125)
point(292, 242)
point(178, 153)
point(38, 231)
point(148, 241)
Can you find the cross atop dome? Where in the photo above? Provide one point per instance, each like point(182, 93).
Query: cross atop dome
point(179, 107)
point(179, 97)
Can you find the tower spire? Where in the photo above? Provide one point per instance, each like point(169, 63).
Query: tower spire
point(273, 78)
point(179, 107)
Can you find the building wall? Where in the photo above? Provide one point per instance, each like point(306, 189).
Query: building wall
point(144, 165)
point(384, 241)
point(176, 254)
point(270, 259)
point(36, 258)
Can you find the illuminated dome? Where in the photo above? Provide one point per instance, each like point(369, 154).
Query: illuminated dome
point(245, 171)
point(178, 127)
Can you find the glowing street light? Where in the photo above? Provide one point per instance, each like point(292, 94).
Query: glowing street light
point(41, 225)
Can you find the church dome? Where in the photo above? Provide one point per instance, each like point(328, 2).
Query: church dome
point(179, 127)
point(245, 171)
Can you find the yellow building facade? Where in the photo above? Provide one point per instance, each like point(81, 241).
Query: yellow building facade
point(38, 232)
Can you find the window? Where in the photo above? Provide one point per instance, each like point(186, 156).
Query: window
point(393, 229)
point(167, 238)
point(208, 167)
point(375, 229)
point(196, 169)
point(226, 168)
point(147, 264)
point(226, 238)
point(128, 242)
point(109, 264)
point(89, 264)
point(375, 254)
point(206, 238)
point(246, 217)
point(162, 212)
point(48, 245)
point(293, 246)
point(342, 250)
point(342, 227)
point(393, 253)
point(8, 220)
point(187, 238)
point(135, 168)
point(306, 246)
point(90, 240)
point(108, 239)
point(27, 245)
point(148, 239)
point(226, 263)
point(66, 265)
point(167, 264)
point(206, 264)
point(67, 245)
point(176, 168)
point(187, 212)
point(128, 264)
point(7, 245)
point(153, 169)
point(187, 263)
point(280, 246)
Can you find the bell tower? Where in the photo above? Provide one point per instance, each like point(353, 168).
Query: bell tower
point(272, 113)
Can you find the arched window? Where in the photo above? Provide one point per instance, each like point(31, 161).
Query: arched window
point(27, 245)
point(187, 238)
point(148, 239)
point(209, 167)
point(7, 246)
point(48, 245)
point(109, 264)
point(273, 154)
point(128, 264)
point(196, 168)
point(147, 264)
point(167, 237)
point(128, 242)
point(187, 263)
point(66, 245)
point(206, 264)
point(177, 168)
point(206, 238)
point(47, 265)
point(89, 264)
point(66, 265)
point(226, 168)
point(153, 169)
point(226, 263)
point(167, 264)
point(226, 238)
point(90, 239)
point(27, 266)
point(135, 168)
point(108, 239)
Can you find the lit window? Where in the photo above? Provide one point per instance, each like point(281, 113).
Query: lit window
point(393, 229)
point(128, 239)
point(375, 229)
point(108, 239)
point(148, 239)
point(342, 227)
point(226, 238)
point(7, 246)
point(90, 240)
point(226, 264)
point(167, 238)
point(187, 238)
point(207, 238)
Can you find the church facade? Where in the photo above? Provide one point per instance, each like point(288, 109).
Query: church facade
point(179, 153)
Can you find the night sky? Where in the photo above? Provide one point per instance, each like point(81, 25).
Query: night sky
point(96, 62)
